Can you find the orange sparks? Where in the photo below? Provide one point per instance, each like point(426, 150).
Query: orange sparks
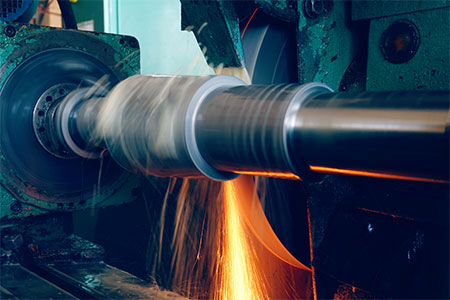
point(280, 175)
point(373, 174)
point(225, 249)
point(239, 278)
point(254, 264)
point(252, 214)
point(385, 214)
point(311, 251)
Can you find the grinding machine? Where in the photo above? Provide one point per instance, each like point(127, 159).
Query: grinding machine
point(347, 115)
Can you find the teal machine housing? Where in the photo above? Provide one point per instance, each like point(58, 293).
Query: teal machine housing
point(371, 238)
point(21, 43)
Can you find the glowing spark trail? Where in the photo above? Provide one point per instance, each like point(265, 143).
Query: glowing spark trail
point(239, 278)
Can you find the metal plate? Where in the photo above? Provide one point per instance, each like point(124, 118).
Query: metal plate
point(106, 282)
point(20, 283)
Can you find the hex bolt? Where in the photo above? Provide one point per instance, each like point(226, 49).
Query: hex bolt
point(16, 206)
point(9, 31)
point(133, 43)
point(316, 8)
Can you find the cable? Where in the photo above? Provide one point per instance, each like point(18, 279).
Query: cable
point(248, 23)
point(67, 14)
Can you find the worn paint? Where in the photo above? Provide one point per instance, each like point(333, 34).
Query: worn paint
point(322, 46)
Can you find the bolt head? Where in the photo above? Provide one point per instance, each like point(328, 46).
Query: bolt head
point(316, 8)
point(9, 31)
point(16, 206)
point(400, 41)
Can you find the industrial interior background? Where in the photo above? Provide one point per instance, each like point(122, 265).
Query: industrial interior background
point(64, 237)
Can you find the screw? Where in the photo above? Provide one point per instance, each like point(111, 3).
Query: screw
point(316, 8)
point(133, 43)
point(9, 31)
point(16, 206)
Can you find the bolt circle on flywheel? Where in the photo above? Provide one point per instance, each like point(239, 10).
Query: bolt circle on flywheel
point(42, 119)
point(32, 165)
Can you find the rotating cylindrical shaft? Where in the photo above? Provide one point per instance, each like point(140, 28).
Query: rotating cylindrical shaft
point(220, 127)
point(390, 133)
point(385, 134)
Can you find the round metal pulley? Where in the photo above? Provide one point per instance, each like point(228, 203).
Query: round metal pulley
point(34, 169)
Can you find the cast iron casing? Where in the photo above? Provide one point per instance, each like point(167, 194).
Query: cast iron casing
point(19, 43)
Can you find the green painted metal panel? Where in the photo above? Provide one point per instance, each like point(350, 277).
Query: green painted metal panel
point(325, 46)
point(86, 10)
point(370, 9)
point(427, 70)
